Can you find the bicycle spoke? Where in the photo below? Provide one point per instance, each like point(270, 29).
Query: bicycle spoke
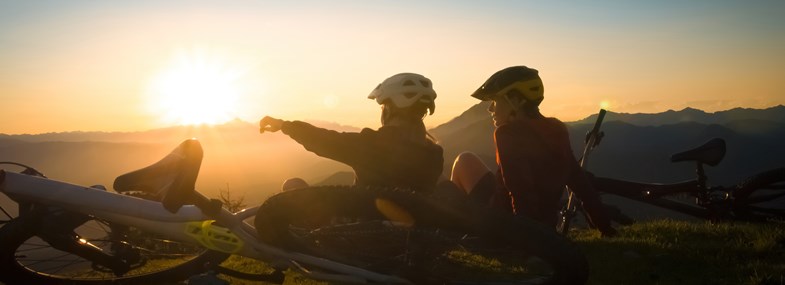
point(31, 247)
point(780, 212)
point(764, 197)
point(6, 214)
point(61, 268)
point(37, 261)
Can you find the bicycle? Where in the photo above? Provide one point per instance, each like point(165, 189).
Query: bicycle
point(69, 234)
point(755, 199)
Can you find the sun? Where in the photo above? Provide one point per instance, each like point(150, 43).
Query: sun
point(196, 88)
point(605, 104)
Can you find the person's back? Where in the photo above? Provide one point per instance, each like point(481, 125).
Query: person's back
point(400, 162)
point(537, 158)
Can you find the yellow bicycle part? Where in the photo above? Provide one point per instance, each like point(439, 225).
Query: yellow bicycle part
point(214, 237)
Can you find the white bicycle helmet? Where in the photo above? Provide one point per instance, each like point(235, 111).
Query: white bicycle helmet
point(404, 90)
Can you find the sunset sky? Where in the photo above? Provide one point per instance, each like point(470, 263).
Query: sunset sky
point(83, 65)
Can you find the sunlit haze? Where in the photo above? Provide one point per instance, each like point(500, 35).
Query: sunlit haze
point(195, 89)
point(137, 65)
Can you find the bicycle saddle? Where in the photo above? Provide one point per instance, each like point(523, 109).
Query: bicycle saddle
point(710, 153)
point(171, 180)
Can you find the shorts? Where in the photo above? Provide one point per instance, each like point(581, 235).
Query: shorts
point(483, 192)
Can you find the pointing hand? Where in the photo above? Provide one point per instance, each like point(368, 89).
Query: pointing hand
point(270, 124)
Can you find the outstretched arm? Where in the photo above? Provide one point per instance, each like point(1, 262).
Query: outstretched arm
point(343, 147)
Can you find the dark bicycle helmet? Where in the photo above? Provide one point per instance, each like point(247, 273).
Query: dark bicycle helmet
point(520, 78)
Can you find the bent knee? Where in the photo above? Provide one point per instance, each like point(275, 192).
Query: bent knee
point(293, 183)
point(469, 162)
point(467, 170)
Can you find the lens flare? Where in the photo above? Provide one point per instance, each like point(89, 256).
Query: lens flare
point(196, 88)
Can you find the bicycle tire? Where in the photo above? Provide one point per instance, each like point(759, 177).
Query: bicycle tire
point(21, 252)
point(760, 188)
point(423, 252)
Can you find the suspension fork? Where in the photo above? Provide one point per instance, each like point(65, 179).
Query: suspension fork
point(567, 213)
point(704, 198)
point(56, 227)
point(593, 138)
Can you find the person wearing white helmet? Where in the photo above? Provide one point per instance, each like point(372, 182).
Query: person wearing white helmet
point(533, 155)
point(400, 153)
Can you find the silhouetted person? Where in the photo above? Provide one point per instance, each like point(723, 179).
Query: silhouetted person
point(533, 155)
point(399, 154)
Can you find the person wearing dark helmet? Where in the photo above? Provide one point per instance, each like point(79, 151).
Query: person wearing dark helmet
point(533, 155)
point(400, 153)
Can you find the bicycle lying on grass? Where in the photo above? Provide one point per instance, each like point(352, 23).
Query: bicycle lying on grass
point(166, 231)
point(758, 198)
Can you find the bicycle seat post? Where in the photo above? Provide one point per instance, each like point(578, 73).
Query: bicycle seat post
point(703, 193)
point(701, 175)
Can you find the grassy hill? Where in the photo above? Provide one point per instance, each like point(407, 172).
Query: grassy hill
point(662, 252)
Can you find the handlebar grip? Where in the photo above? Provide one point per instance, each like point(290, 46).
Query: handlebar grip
point(598, 123)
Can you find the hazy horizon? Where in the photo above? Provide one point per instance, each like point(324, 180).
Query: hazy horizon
point(196, 130)
point(134, 66)
point(236, 157)
point(347, 127)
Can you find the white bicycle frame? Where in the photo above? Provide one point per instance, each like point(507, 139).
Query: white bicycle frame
point(151, 216)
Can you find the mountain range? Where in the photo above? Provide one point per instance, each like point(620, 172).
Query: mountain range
point(238, 158)
point(639, 146)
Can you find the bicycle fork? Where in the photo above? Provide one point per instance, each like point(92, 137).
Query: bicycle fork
point(56, 227)
point(567, 214)
point(716, 202)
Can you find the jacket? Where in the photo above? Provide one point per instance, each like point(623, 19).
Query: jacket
point(378, 157)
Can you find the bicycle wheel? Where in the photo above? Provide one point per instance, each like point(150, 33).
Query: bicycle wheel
point(28, 255)
point(419, 238)
point(761, 196)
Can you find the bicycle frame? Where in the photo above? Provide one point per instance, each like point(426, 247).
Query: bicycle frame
point(181, 226)
point(570, 208)
point(653, 194)
point(711, 203)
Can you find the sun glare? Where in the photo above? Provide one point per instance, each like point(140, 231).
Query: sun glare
point(605, 104)
point(196, 89)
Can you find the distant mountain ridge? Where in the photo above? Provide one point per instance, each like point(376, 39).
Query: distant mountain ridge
point(231, 130)
point(638, 146)
point(236, 156)
point(635, 146)
point(476, 113)
point(772, 114)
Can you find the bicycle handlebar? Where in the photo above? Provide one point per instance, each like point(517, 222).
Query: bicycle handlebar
point(593, 137)
point(596, 129)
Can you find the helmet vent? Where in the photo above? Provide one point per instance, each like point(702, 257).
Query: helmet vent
point(405, 90)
